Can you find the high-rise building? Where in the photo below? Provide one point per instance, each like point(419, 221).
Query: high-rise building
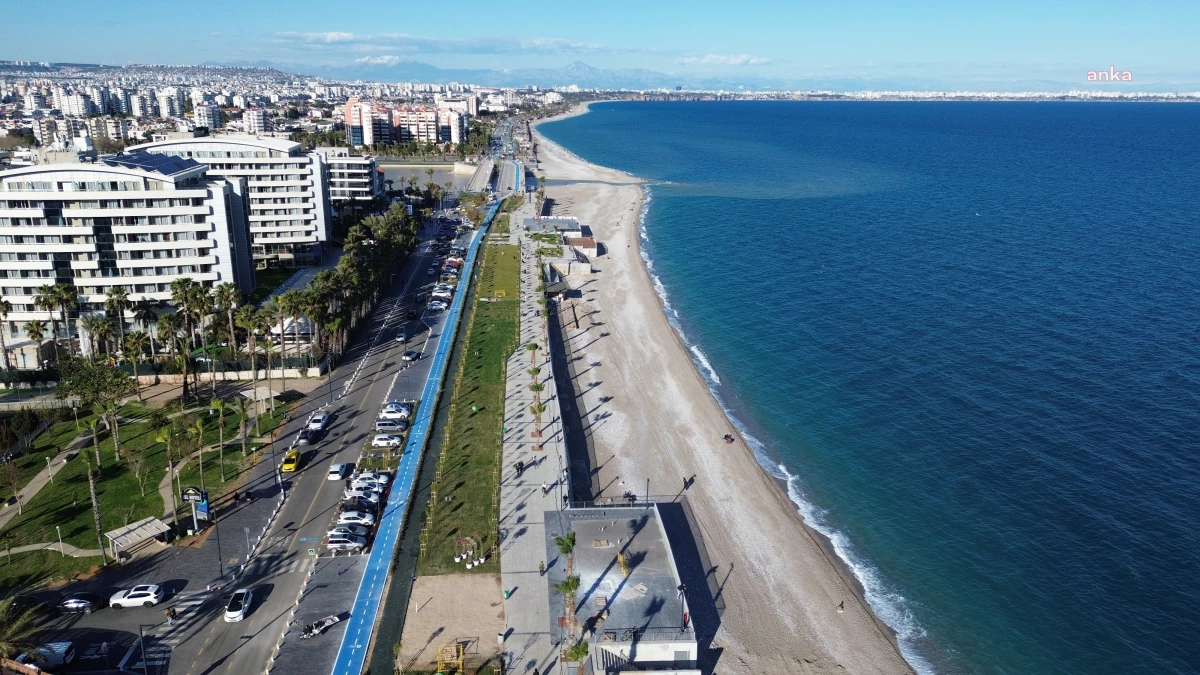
point(415, 125)
point(207, 115)
point(76, 105)
point(44, 130)
point(288, 191)
point(351, 177)
point(34, 100)
point(100, 99)
point(256, 121)
point(168, 105)
point(136, 221)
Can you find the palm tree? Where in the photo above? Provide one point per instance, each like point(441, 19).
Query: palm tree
point(96, 514)
point(247, 318)
point(36, 331)
point(144, 312)
point(532, 348)
point(239, 405)
point(135, 344)
point(196, 433)
point(18, 628)
point(44, 299)
point(111, 410)
point(93, 425)
point(5, 308)
point(202, 305)
point(91, 326)
point(181, 290)
point(292, 304)
point(116, 302)
point(219, 405)
point(228, 296)
point(268, 345)
point(170, 324)
point(537, 409)
point(66, 298)
point(164, 436)
point(275, 306)
point(566, 546)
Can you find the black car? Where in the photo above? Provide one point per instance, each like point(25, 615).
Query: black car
point(308, 437)
point(411, 315)
point(355, 504)
point(85, 603)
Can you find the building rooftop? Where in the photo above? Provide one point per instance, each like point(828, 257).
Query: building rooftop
point(167, 165)
point(626, 568)
point(277, 144)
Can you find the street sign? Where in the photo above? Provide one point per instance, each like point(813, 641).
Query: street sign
point(192, 494)
point(312, 551)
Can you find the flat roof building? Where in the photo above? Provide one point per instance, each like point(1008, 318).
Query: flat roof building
point(288, 191)
point(351, 177)
point(135, 221)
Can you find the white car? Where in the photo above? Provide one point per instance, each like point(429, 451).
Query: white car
point(369, 485)
point(362, 494)
point(436, 306)
point(337, 472)
point(398, 405)
point(355, 518)
point(397, 415)
point(146, 595)
point(411, 356)
point(238, 605)
point(319, 422)
point(348, 531)
point(346, 543)
point(377, 476)
point(387, 441)
point(431, 271)
point(401, 337)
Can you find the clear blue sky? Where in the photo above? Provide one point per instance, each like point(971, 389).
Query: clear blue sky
point(952, 43)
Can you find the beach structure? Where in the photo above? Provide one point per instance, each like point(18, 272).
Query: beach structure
point(136, 222)
point(632, 606)
point(288, 191)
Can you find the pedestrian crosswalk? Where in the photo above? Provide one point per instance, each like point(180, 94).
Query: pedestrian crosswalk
point(186, 615)
point(157, 654)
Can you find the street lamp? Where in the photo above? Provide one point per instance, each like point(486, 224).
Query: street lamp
point(247, 531)
point(142, 644)
point(60, 546)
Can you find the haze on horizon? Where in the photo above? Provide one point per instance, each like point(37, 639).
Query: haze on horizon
point(928, 44)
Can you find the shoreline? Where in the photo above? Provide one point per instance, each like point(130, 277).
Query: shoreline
point(832, 645)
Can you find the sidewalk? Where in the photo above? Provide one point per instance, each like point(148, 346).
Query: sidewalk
point(523, 500)
point(43, 477)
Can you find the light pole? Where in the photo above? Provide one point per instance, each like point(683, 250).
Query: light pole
point(60, 546)
point(247, 531)
point(142, 643)
point(49, 471)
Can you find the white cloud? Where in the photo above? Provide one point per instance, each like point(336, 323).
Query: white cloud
point(724, 60)
point(380, 60)
point(404, 42)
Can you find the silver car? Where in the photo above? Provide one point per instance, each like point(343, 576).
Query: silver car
point(346, 543)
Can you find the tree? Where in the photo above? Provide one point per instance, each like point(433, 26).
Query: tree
point(227, 296)
point(12, 479)
point(111, 410)
point(219, 405)
point(566, 546)
point(96, 513)
point(36, 331)
point(18, 628)
point(96, 384)
point(239, 405)
point(248, 318)
point(23, 424)
point(164, 435)
point(137, 464)
point(5, 308)
point(93, 425)
point(44, 299)
point(66, 298)
point(275, 307)
point(144, 312)
point(537, 409)
point(200, 302)
point(93, 325)
point(196, 434)
point(135, 344)
point(116, 301)
point(170, 324)
point(532, 348)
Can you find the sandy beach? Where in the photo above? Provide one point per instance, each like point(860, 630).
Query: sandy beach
point(654, 418)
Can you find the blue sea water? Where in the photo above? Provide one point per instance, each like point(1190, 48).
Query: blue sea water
point(968, 335)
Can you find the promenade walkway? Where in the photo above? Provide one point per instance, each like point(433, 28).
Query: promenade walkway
point(43, 478)
point(525, 498)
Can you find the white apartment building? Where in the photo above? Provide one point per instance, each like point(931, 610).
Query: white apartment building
point(138, 221)
point(34, 100)
point(351, 177)
point(418, 125)
point(288, 191)
point(76, 105)
point(207, 115)
point(256, 121)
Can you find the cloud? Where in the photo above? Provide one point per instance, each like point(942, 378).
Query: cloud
point(723, 60)
point(380, 60)
point(404, 42)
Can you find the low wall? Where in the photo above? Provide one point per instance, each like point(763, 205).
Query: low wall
point(230, 375)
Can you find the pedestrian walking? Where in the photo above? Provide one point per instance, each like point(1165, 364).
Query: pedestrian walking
point(545, 488)
point(542, 568)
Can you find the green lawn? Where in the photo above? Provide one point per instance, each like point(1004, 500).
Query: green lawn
point(266, 281)
point(41, 568)
point(467, 490)
point(501, 224)
point(51, 442)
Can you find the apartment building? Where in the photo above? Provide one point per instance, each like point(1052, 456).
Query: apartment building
point(256, 121)
point(288, 191)
point(351, 177)
point(415, 125)
point(207, 115)
point(138, 221)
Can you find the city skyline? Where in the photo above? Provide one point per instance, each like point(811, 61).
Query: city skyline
point(928, 45)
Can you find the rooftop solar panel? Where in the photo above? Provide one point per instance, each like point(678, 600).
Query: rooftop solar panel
point(167, 165)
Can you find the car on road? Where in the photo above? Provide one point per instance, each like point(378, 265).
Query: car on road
point(349, 530)
point(411, 356)
point(431, 271)
point(362, 494)
point(308, 436)
point(385, 425)
point(402, 337)
point(320, 421)
point(81, 603)
point(346, 543)
point(145, 595)
point(387, 441)
point(437, 306)
point(420, 298)
point(291, 461)
point(356, 518)
point(411, 315)
point(337, 471)
point(239, 604)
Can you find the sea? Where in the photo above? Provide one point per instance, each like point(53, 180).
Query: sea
point(966, 335)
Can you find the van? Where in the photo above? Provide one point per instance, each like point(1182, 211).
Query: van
point(291, 461)
point(388, 426)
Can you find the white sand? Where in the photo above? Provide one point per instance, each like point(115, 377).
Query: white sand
point(780, 588)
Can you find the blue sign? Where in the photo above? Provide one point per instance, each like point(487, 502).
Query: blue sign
point(202, 508)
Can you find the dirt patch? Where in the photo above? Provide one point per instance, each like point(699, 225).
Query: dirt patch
point(446, 608)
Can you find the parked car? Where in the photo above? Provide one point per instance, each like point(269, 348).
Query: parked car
point(320, 421)
point(402, 337)
point(337, 471)
point(395, 414)
point(346, 543)
point(377, 476)
point(349, 530)
point(420, 298)
point(356, 518)
point(388, 426)
point(81, 603)
point(437, 306)
point(387, 441)
point(49, 655)
point(362, 505)
point(238, 605)
point(308, 437)
point(146, 595)
point(291, 461)
point(362, 494)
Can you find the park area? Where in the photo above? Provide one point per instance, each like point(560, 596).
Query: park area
point(130, 486)
point(463, 509)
